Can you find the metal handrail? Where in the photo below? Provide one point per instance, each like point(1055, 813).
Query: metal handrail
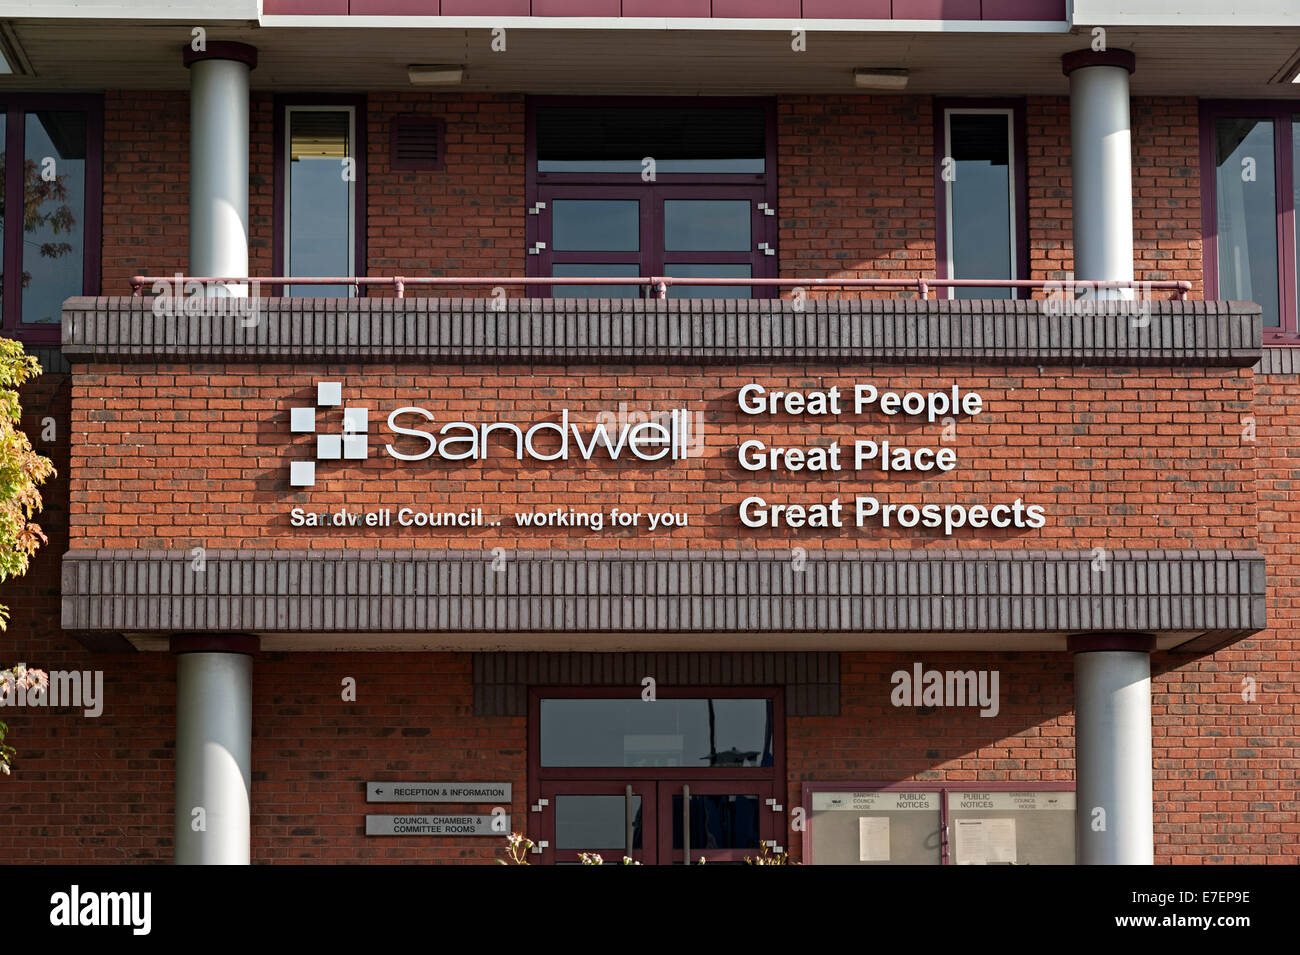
point(661, 283)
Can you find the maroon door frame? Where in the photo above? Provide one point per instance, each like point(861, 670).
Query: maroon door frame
point(764, 790)
point(761, 230)
point(645, 788)
point(652, 254)
point(15, 106)
point(1280, 112)
point(537, 227)
point(651, 783)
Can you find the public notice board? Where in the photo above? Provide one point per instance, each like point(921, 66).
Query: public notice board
point(1005, 828)
point(880, 827)
point(897, 827)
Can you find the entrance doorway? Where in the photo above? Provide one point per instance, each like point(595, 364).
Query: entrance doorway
point(627, 187)
point(691, 775)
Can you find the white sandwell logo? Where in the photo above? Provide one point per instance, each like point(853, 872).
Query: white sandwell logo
point(643, 435)
point(77, 908)
point(351, 444)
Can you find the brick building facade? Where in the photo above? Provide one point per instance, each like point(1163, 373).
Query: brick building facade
point(1159, 436)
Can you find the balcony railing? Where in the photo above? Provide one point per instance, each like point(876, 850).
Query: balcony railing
point(659, 284)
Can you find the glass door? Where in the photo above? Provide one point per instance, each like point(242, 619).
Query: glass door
point(593, 232)
point(689, 772)
point(713, 232)
point(715, 821)
point(657, 822)
point(691, 231)
point(610, 819)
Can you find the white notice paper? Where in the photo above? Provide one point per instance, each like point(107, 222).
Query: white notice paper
point(972, 844)
point(985, 841)
point(873, 839)
point(1002, 840)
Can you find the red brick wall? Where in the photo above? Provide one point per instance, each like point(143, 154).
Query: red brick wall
point(466, 219)
point(146, 186)
point(856, 187)
point(180, 456)
point(1166, 190)
point(1225, 766)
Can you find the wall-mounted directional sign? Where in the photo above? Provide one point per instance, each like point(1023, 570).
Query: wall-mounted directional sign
point(389, 791)
point(444, 825)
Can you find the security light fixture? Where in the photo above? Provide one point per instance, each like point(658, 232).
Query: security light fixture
point(878, 78)
point(425, 75)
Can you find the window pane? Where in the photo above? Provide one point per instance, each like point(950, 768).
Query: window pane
point(980, 201)
point(718, 822)
point(319, 218)
point(596, 225)
point(54, 219)
point(722, 734)
point(1246, 203)
point(620, 139)
point(1295, 199)
point(595, 822)
point(595, 270)
point(706, 225)
point(728, 270)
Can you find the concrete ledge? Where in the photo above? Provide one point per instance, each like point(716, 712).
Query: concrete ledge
point(1279, 361)
point(1195, 600)
point(895, 331)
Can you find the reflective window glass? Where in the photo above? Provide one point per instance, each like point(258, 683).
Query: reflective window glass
point(718, 822)
point(980, 206)
point(319, 223)
point(698, 733)
point(721, 270)
point(596, 225)
point(651, 139)
point(54, 212)
point(1246, 210)
point(706, 225)
point(1295, 201)
point(596, 822)
point(595, 270)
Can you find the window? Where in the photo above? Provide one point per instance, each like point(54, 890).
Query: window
point(980, 185)
point(623, 188)
point(320, 202)
point(1249, 155)
point(50, 149)
point(701, 733)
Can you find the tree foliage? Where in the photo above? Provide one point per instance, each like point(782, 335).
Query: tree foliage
point(22, 470)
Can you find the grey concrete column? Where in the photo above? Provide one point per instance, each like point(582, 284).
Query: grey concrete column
point(1101, 165)
point(219, 161)
point(214, 740)
point(1112, 729)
